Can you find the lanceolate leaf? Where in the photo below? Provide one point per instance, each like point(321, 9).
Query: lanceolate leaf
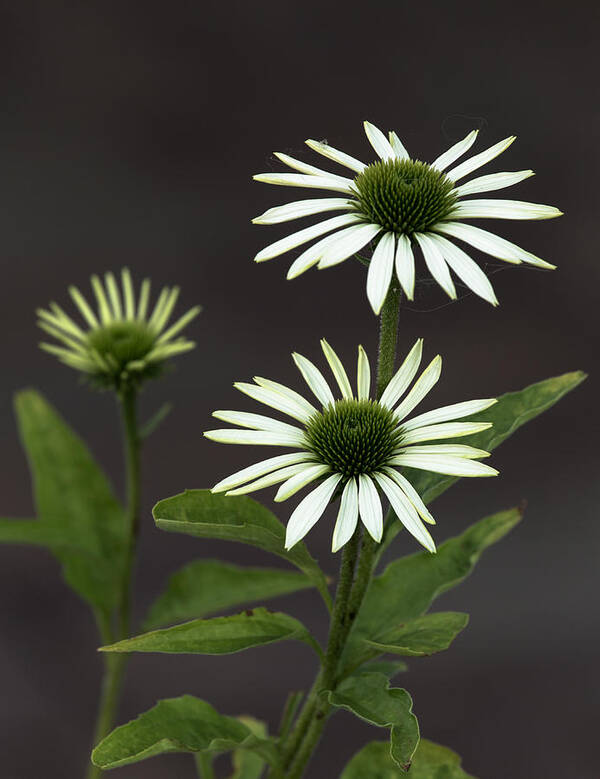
point(421, 636)
point(512, 411)
point(219, 635)
point(208, 586)
point(185, 724)
point(407, 587)
point(79, 518)
point(370, 697)
point(235, 518)
point(431, 761)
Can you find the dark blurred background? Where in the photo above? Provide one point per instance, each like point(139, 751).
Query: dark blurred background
point(128, 135)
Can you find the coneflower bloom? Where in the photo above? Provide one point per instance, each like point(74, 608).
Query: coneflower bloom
point(353, 446)
point(120, 342)
point(396, 204)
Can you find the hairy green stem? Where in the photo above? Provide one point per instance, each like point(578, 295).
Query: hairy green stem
point(114, 665)
point(351, 589)
point(388, 338)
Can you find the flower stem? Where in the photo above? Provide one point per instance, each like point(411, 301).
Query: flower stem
point(305, 735)
point(353, 583)
point(388, 338)
point(114, 665)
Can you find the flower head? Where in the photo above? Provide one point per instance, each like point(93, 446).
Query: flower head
point(354, 446)
point(119, 344)
point(396, 204)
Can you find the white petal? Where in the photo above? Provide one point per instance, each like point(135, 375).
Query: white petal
point(369, 507)
point(259, 469)
point(347, 517)
point(335, 183)
point(398, 147)
point(456, 151)
point(405, 511)
point(492, 182)
point(403, 376)
point(338, 370)
point(380, 271)
point(160, 316)
point(304, 167)
point(336, 155)
point(255, 421)
point(468, 166)
point(62, 321)
point(363, 378)
point(411, 494)
point(350, 241)
point(296, 482)
point(275, 400)
point(83, 306)
point(312, 255)
point(465, 268)
point(113, 295)
point(405, 266)
point(423, 385)
point(177, 326)
point(444, 430)
point(270, 479)
point(302, 236)
point(452, 466)
point(446, 413)
point(436, 264)
point(300, 208)
point(106, 316)
point(503, 209)
point(294, 397)
point(490, 244)
point(454, 450)
point(128, 295)
point(144, 300)
point(315, 379)
point(309, 510)
point(379, 142)
point(255, 437)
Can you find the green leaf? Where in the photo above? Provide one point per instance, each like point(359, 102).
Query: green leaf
point(185, 724)
point(408, 586)
point(388, 668)
point(431, 761)
point(79, 518)
point(208, 586)
point(219, 635)
point(511, 411)
point(246, 764)
point(235, 518)
point(369, 696)
point(421, 636)
point(31, 531)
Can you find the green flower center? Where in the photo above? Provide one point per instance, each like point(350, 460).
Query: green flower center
point(121, 343)
point(404, 196)
point(353, 436)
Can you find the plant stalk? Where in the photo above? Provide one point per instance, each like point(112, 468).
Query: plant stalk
point(352, 585)
point(114, 665)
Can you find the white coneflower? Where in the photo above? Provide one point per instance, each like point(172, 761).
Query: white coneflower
point(354, 446)
point(120, 343)
point(398, 203)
